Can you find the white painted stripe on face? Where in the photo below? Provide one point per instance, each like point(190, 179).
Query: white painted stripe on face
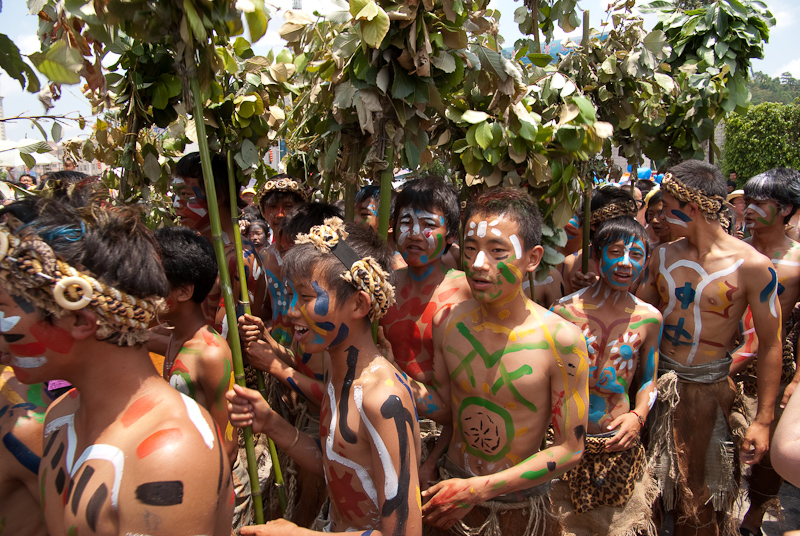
point(517, 246)
point(675, 221)
point(28, 362)
point(497, 232)
point(199, 422)
point(7, 323)
point(482, 229)
point(479, 260)
point(758, 210)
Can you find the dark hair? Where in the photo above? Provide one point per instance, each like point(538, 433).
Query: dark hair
point(250, 213)
point(188, 258)
point(512, 202)
point(112, 244)
point(306, 216)
point(701, 176)
point(264, 227)
point(191, 166)
point(430, 193)
point(619, 228)
point(279, 196)
point(645, 185)
point(781, 185)
point(304, 262)
point(62, 179)
point(606, 195)
point(370, 191)
point(656, 198)
point(732, 183)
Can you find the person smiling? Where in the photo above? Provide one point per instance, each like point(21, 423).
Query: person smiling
point(505, 369)
point(124, 453)
point(610, 490)
point(368, 446)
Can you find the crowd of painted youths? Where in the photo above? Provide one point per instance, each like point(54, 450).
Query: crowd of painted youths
point(608, 481)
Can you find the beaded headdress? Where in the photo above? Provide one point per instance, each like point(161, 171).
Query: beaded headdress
point(709, 205)
point(363, 273)
point(29, 268)
point(281, 185)
point(613, 210)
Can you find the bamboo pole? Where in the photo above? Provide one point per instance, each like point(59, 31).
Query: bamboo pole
point(245, 299)
point(225, 285)
point(385, 205)
point(587, 217)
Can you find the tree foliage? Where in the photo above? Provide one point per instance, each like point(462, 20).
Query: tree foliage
point(784, 89)
point(767, 136)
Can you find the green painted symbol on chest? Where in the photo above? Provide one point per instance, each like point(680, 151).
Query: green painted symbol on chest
point(491, 359)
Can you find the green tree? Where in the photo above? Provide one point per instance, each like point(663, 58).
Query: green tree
point(767, 136)
point(784, 89)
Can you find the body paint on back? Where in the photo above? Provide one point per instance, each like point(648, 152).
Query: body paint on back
point(393, 409)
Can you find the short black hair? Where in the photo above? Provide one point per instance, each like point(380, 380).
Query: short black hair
point(619, 228)
point(264, 227)
point(306, 216)
point(60, 180)
point(781, 185)
point(191, 166)
point(645, 185)
point(607, 195)
point(188, 258)
point(304, 262)
point(512, 202)
point(701, 176)
point(430, 193)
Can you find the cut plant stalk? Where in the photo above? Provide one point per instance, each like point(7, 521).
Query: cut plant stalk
point(225, 285)
point(245, 300)
point(385, 205)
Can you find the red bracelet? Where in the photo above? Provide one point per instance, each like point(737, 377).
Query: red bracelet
point(639, 417)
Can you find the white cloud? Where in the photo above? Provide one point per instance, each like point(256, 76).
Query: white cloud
point(28, 43)
point(792, 67)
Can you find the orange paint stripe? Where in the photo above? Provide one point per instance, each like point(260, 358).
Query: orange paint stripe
point(159, 440)
point(137, 410)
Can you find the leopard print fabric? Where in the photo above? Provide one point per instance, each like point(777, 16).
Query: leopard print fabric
point(604, 478)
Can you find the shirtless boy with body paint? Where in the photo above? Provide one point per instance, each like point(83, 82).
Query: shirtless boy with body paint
point(703, 283)
point(369, 439)
point(426, 223)
point(193, 213)
point(276, 199)
point(198, 360)
point(22, 409)
point(622, 333)
point(771, 199)
point(505, 370)
point(123, 451)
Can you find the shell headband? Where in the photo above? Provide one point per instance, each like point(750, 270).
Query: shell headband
point(29, 268)
point(281, 185)
point(613, 210)
point(709, 205)
point(365, 274)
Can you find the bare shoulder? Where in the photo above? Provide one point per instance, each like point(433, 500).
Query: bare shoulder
point(646, 310)
point(212, 347)
point(555, 328)
point(382, 390)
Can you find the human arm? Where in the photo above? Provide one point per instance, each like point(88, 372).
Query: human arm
point(215, 378)
point(785, 450)
point(261, 356)
point(428, 473)
point(251, 331)
point(629, 424)
point(648, 288)
point(746, 351)
point(248, 408)
point(432, 400)
point(452, 499)
point(762, 296)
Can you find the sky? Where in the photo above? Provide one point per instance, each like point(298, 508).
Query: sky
point(781, 53)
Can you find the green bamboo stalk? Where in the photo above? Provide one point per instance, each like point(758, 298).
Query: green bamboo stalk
point(587, 216)
point(245, 297)
point(383, 209)
point(225, 284)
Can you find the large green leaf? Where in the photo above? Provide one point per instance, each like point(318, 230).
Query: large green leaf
point(12, 63)
point(60, 63)
point(483, 135)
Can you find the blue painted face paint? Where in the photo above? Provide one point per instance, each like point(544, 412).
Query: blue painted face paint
point(610, 264)
point(344, 331)
point(681, 218)
point(323, 300)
